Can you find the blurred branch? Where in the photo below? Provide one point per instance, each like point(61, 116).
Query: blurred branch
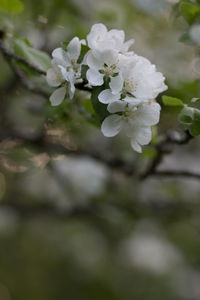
point(153, 207)
point(174, 173)
point(127, 168)
point(165, 147)
point(33, 210)
point(10, 55)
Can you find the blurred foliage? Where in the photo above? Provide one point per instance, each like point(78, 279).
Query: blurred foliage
point(130, 239)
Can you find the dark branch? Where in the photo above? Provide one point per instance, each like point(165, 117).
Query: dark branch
point(174, 173)
point(10, 55)
point(163, 148)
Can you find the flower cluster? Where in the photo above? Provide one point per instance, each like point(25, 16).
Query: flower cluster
point(129, 83)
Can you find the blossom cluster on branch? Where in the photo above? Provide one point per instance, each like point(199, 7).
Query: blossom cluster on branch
point(128, 83)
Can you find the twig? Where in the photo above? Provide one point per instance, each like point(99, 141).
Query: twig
point(8, 54)
point(174, 173)
point(163, 148)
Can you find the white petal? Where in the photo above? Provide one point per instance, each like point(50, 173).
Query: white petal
point(112, 125)
point(83, 42)
point(93, 62)
point(72, 81)
point(106, 97)
point(64, 73)
point(132, 101)
point(136, 146)
point(110, 57)
point(96, 35)
point(117, 35)
point(148, 114)
point(116, 84)
point(74, 48)
point(58, 53)
point(144, 136)
point(94, 77)
point(58, 96)
point(54, 77)
point(60, 57)
point(127, 45)
point(116, 106)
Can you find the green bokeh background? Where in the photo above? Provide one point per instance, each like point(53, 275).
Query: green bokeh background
point(129, 239)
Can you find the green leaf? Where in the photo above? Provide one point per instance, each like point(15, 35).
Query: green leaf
point(99, 108)
point(38, 58)
point(84, 50)
point(87, 104)
point(171, 101)
point(190, 118)
point(186, 116)
point(11, 6)
point(189, 11)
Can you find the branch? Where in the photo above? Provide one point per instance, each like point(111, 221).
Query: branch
point(163, 148)
point(174, 173)
point(10, 55)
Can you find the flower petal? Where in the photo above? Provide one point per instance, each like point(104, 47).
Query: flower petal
point(112, 125)
point(118, 36)
point(96, 35)
point(144, 135)
point(54, 77)
point(93, 62)
point(60, 57)
point(116, 106)
point(116, 84)
point(74, 49)
point(106, 97)
point(136, 146)
point(94, 77)
point(132, 101)
point(148, 114)
point(58, 96)
point(127, 45)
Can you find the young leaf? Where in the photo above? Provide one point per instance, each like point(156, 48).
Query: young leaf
point(195, 128)
point(34, 56)
point(87, 104)
point(189, 11)
point(186, 116)
point(190, 118)
point(11, 6)
point(171, 101)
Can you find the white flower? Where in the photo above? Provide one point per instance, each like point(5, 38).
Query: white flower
point(141, 79)
point(104, 63)
point(101, 39)
point(136, 121)
point(65, 68)
point(140, 82)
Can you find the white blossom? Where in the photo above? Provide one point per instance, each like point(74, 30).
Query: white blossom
point(101, 39)
point(65, 68)
point(135, 121)
point(104, 64)
point(130, 83)
point(140, 81)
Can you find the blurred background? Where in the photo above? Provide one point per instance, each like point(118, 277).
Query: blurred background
point(73, 225)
